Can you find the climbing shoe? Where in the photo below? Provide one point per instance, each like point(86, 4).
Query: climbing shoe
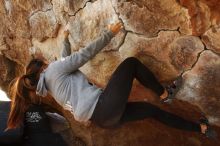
point(172, 89)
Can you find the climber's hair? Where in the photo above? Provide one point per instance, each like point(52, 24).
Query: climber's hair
point(22, 92)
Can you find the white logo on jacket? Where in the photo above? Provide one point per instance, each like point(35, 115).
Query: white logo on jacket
point(33, 117)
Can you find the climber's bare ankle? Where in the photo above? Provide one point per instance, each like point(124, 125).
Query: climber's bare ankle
point(203, 128)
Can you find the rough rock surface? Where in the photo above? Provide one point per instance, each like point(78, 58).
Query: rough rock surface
point(211, 39)
point(166, 59)
point(43, 25)
point(171, 37)
point(85, 26)
point(149, 17)
point(202, 82)
point(203, 14)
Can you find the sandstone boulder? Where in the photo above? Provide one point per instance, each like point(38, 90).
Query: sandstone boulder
point(149, 17)
point(203, 14)
point(171, 38)
point(167, 55)
point(43, 25)
point(211, 39)
point(85, 27)
point(202, 86)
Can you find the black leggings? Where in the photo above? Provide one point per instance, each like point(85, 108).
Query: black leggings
point(113, 107)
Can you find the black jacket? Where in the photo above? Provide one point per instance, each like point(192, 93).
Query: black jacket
point(37, 129)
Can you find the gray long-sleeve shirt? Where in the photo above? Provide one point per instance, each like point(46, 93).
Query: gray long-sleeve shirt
point(68, 84)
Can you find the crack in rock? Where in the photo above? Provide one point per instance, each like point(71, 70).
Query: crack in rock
point(71, 15)
point(194, 64)
point(140, 34)
point(43, 10)
point(39, 11)
point(177, 29)
point(157, 33)
point(199, 54)
point(124, 30)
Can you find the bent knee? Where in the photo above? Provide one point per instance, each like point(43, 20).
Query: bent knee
point(131, 60)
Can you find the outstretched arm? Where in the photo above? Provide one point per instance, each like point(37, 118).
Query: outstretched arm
point(78, 59)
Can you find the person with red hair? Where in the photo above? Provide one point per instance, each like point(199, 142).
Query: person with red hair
point(108, 107)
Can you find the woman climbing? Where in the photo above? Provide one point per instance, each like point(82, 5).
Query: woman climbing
point(107, 107)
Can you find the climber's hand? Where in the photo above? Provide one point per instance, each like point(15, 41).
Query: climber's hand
point(66, 33)
point(115, 28)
